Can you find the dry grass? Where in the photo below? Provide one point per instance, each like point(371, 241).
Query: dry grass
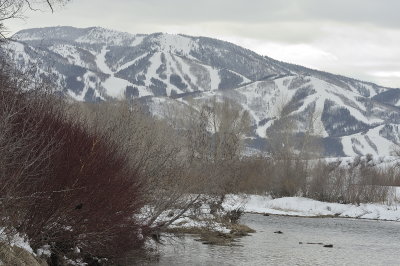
point(212, 237)
point(18, 256)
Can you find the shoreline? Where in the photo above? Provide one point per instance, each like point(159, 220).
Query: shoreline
point(320, 216)
point(208, 236)
point(306, 207)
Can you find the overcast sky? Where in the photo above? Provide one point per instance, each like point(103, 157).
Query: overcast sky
point(356, 38)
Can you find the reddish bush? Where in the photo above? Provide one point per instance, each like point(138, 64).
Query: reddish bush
point(60, 184)
point(89, 195)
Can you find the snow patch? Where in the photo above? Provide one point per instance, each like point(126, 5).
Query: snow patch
point(138, 40)
point(298, 206)
point(15, 240)
point(176, 44)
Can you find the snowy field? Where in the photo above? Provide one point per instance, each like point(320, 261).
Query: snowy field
point(298, 206)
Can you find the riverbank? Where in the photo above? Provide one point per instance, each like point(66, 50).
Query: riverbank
point(210, 236)
point(17, 251)
point(219, 230)
point(214, 230)
point(14, 255)
point(305, 207)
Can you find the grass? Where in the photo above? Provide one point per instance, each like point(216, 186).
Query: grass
point(13, 255)
point(209, 236)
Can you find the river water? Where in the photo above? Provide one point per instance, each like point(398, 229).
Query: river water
point(355, 242)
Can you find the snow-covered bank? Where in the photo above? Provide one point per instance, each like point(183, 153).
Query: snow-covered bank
point(212, 225)
point(15, 240)
point(15, 250)
point(298, 206)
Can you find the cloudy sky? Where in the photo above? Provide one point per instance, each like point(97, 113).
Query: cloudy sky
point(357, 38)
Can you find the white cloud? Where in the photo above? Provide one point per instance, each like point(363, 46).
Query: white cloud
point(386, 74)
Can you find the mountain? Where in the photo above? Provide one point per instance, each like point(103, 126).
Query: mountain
point(97, 64)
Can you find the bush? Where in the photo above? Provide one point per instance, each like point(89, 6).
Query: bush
point(358, 182)
point(61, 184)
point(233, 216)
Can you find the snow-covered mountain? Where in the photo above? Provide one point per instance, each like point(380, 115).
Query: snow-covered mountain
point(95, 64)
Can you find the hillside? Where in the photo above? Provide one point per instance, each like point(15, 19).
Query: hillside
point(96, 64)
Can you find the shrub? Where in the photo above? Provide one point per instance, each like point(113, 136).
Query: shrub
point(61, 184)
point(356, 183)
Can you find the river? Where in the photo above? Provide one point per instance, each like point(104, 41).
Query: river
point(355, 242)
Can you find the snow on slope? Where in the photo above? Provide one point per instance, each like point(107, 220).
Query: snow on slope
point(18, 51)
point(110, 37)
point(70, 53)
point(101, 61)
point(130, 63)
point(98, 64)
point(371, 142)
point(138, 40)
point(176, 44)
point(115, 87)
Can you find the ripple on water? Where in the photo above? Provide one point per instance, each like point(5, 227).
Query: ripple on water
point(355, 242)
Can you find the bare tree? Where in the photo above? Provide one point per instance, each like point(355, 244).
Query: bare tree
point(155, 152)
point(62, 184)
point(215, 130)
point(11, 9)
point(213, 133)
point(292, 145)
